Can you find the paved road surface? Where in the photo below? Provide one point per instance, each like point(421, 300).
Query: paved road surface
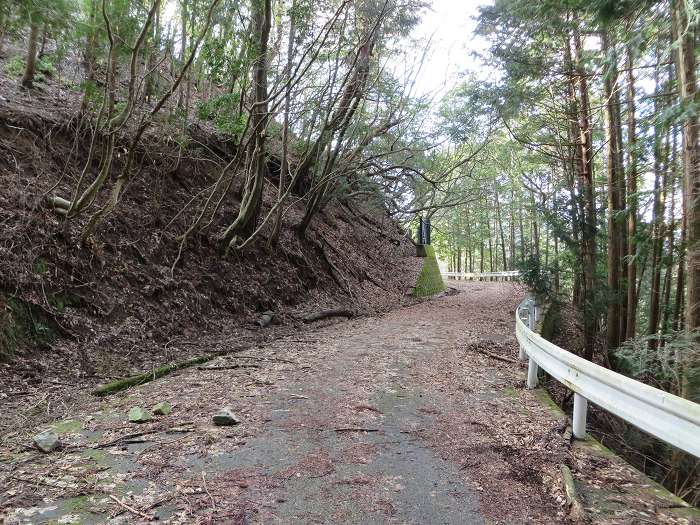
point(402, 418)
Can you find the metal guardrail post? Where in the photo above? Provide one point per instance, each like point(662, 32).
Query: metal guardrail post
point(579, 418)
point(532, 374)
point(536, 314)
point(532, 365)
point(522, 355)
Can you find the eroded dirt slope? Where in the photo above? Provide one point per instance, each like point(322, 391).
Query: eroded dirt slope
point(116, 305)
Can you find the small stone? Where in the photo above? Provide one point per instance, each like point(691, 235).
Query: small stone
point(226, 417)
point(267, 318)
point(139, 415)
point(162, 409)
point(47, 441)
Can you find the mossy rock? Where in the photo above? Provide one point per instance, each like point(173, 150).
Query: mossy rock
point(162, 409)
point(429, 280)
point(139, 415)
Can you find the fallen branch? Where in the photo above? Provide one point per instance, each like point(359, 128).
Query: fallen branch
point(132, 509)
point(325, 314)
point(121, 439)
point(140, 379)
point(150, 507)
point(495, 356)
point(355, 429)
point(264, 358)
point(226, 367)
point(211, 498)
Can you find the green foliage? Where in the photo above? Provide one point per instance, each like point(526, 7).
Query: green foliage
point(429, 280)
point(93, 93)
point(537, 277)
point(221, 61)
point(671, 362)
point(224, 112)
point(44, 68)
point(15, 67)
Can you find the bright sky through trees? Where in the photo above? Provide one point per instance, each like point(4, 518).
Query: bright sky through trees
point(450, 25)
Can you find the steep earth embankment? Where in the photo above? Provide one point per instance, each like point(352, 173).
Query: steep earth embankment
point(73, 316)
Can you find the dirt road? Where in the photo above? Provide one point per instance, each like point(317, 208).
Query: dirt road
point(402, 418)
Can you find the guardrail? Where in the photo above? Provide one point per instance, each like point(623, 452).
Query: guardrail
point(483, 275)
point(670, 418)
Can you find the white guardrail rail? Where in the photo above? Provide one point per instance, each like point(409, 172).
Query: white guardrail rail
point(670, 418)
point(468, 275)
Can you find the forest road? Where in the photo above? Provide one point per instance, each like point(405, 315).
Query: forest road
point(401, 418)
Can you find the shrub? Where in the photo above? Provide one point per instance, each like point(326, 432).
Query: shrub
point(44, 68)
point(537, 277)
point(15, 67)
point(673, 363)
point(223, 111)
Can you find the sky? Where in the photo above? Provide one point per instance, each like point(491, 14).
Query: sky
point(451, 25)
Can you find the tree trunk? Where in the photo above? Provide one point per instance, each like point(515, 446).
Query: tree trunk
point(680, 283)
point(556, 267)
point(585, 173)
point(500, 228)
point(90, 63)
point(535, 228)
point(687, 37)
point(44, 36)
point(468, 249)
point(658, 226)
point(522, 231)
point(488, 229)
point(112, 84)
point(632, 200)
point(284, 168)
point(153, 50)
point(3, 30)
point(512, 230)
point(622, 220)
point(183, 50)
point(615, 183)
point(334, 132)
point(252, 196)
point(30, 69)
point(668, 274)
